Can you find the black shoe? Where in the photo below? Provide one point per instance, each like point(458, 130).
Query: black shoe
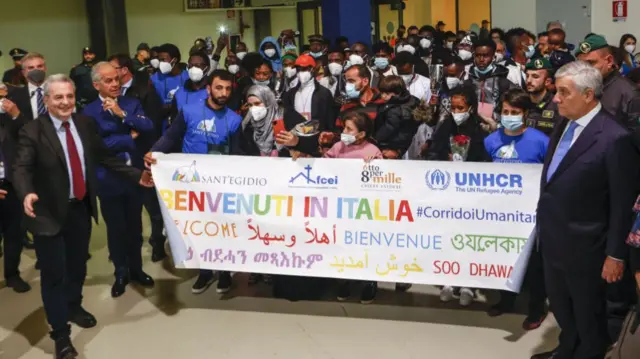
point(403, 287)
point(498, 310)
point(158, 253)
point(28, 242)
point(224, 282)
point(369, 293)
point(344, 292)
point(203, 283)
point(64, 349)
point(82, 318)
point(254, 278)
point(143, 279)
point(547, 355)
point(18, 285)
point(119, 286)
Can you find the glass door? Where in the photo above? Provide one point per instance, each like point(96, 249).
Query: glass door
point(387, 17)
point(309, 20)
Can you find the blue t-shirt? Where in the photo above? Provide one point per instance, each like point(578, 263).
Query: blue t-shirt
point(167, 85)
point(529, 147)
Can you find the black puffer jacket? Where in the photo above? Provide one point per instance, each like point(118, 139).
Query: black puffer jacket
point(395, 124)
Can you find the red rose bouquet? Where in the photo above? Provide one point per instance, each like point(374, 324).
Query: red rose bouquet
point(459, 147)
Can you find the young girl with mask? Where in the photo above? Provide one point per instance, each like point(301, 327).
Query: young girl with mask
point(514, 142)
point(355, 139)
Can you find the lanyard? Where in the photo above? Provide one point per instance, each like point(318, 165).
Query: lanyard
point(226, 124)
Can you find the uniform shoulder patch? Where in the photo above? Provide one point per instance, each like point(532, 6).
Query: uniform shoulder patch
point(548, 114)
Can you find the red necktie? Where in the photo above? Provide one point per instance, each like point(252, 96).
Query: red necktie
point(79, 189)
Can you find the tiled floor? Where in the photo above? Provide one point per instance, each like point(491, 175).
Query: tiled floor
point(169, 322)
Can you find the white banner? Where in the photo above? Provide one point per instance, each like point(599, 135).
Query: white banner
point(438, 223)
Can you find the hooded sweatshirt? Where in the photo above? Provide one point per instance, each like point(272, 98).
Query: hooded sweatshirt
point(276, 61)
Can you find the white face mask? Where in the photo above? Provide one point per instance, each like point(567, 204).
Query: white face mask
point(499, 57)
point(347, 139)
point(356, 60)
point(407, 79)
point(407, 48)
point(1, 104)
point(460, 118)
point(234, 69)
point(155, 63)
point(449, 45)
point(290, 72)
point(241, 55)
point(165, 67)
point(630, 48)
point(196, 74)
point(465, 55)
point(425, 43)
point(270, 52)
point(258, 112)
point(453, 82)
point(304, 77)
point(335, 69)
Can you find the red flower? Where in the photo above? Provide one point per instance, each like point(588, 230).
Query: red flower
point(461, 140)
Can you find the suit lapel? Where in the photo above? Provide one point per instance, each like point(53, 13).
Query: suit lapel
point(51, 135)
point(84, 138)
point(587, 138)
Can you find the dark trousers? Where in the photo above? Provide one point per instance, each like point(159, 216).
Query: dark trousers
point(621, 296)
point(578, 303)
point(63, 268)
point(123, 215)
point(155, 215)
point(534, 282)
point(11, 225)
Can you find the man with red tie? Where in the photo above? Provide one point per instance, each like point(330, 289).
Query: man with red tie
point(55, 176)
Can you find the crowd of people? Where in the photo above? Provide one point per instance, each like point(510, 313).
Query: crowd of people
point(427, 94)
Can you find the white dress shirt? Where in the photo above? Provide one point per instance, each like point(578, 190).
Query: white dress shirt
point(125, 87)
point(33, 93)
point(420, 87)
point(582, 123)
point(303, 99)
point(62, 136)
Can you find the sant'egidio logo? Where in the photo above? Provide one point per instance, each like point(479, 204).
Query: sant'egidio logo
point(186, 174)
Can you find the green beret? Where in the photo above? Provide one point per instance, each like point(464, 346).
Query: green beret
point(539, 64)
point(591, 43)
point(289, 56)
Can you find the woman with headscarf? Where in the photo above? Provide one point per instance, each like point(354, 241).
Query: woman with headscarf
point(262, 119)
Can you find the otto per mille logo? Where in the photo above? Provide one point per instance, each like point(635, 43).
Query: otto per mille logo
point(437, 179)
point(374, 178)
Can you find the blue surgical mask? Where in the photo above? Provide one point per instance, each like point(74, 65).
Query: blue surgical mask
point(381, 62)
point(290, 48)
point(261, 83)
point(315, 55)
point(485, 71)
point(511, 123)
point(351, 91)
point(530, 52)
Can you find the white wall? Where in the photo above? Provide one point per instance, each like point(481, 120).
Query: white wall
point(507, 14)
point(602, 20)
point(57, 29)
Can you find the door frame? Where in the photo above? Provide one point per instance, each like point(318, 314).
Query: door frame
point(375, 14)
point(308, 5)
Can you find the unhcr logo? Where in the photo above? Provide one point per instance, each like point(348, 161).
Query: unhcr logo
point(438, 180)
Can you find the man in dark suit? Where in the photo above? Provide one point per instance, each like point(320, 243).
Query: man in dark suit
point(55, 176)
point(137, 85)
point(30, 98)
point(11, 207)
point(589, 183)
point(120, 120)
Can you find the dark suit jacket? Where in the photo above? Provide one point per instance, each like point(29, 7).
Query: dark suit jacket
point(8, 139)
point(321, 105)
point(584, 211)
point(41, 168)
point(142, 89)
point(21, 97)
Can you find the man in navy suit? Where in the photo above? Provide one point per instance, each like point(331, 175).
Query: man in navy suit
point(120, 121)
point(589, 182)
